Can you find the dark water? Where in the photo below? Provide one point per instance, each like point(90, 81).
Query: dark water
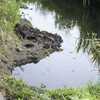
point(69, 67)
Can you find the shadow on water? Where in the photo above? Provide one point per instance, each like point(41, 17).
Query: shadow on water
point(75, 19)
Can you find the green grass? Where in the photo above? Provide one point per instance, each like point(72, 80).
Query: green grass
point(18, 90)
point(9, 16)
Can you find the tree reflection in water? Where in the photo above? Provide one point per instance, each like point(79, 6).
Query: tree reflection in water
point(85, 14)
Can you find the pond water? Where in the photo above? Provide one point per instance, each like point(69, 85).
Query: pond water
point(66, 68)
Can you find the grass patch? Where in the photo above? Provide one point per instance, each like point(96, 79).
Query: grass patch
point(9, 16)
point(18, 90)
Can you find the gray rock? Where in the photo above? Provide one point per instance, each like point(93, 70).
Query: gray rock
point(35, 45)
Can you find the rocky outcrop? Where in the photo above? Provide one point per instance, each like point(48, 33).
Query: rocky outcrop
point(48, 40)
point(36, 44)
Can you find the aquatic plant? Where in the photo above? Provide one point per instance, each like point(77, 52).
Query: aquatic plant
point(91, 44)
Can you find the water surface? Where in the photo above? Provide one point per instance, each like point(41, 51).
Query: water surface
point(66, 68)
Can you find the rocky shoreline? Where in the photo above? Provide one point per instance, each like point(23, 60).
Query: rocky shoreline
point(35, 45)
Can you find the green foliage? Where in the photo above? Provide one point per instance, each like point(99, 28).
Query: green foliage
point(94, 90)
point(9, 14)
point(18, 90)
point(91, 44)
point(71, 94)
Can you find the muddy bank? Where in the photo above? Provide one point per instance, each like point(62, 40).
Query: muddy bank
point(35, 45)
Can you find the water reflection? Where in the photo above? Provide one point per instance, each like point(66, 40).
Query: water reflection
point(68, 13)
point(66, 68)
